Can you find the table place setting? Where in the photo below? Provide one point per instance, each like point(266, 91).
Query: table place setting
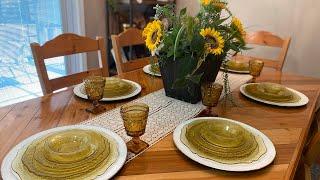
point(152, 69)
point(113, 89)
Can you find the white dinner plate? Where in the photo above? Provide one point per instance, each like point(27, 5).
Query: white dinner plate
point(77, 91)
point(146, 69)
point(235, 71)
point(262, 162)
point(303, 98)
point(7, 172)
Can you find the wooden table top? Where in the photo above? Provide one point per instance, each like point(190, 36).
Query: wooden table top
point(286, 127)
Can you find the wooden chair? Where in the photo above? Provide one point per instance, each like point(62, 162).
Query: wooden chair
point(129, 37)
point(62, 45)
point(264, 38)
point(311, 155)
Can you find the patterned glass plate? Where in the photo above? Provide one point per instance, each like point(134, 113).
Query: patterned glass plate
point(224, 144)
point(274, 94)
point(237, 67)
point(112, 94)
point(74, 151)
point(147, 69)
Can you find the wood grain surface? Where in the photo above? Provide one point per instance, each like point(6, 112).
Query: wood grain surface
point(286, 127)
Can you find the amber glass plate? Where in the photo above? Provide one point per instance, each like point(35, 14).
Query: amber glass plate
point(155, 68)
point(116, 87)
point(70, 154)
point(271, 92)
point(222, 141)
point(238, 67)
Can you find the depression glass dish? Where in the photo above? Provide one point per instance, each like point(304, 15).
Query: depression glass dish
point(222, 141)
point(155, 68)
point(71, 154)
point(237, 66)
point(272, 92)
point(115, 87)
point(69, 147)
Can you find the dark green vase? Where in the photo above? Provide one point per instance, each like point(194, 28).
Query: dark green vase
point(190, 93)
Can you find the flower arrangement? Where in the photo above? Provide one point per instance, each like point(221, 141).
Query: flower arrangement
point(213, 36)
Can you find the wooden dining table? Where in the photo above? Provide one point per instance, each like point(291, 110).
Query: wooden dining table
point(288, 128)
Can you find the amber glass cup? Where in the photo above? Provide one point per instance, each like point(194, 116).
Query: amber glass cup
point(211, 93)
point(94, 87)
point(255, 68)
point(135, 120)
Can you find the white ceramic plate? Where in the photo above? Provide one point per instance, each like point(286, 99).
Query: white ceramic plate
point(303, 98)
point(77, 92)
point(235, 71)
point(262, 162)
point(7, 172)
point(146, 69)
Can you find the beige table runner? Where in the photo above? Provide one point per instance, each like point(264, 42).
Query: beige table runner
point(165, 113)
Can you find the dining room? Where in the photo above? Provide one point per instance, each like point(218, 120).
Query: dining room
point(159, 89)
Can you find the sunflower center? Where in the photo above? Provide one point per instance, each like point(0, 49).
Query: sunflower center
point(212, 41)
point(154, 37)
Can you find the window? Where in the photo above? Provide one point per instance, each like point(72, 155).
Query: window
point(21, 23)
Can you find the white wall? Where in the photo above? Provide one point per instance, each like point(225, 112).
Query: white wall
point(95, 25)
point(296, 18)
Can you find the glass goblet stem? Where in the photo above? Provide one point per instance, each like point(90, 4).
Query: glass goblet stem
point(136, 140)
point(254, 79)
point(95, 103)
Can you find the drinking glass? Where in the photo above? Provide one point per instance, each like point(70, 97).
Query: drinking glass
point(94, 87)
point(255, 68)
point(211, 93)
point(135, 120)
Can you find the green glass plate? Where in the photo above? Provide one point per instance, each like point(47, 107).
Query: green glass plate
point(33, 162)
point(222, 141)
point(271, 92)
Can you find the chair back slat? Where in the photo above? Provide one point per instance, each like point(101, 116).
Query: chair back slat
point(62, 45)
point(129, 37)
point(68, 44)
point(264, 38)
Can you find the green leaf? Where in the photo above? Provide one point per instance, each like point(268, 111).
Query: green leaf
point(195, 78)
point(177, 41)
point(179, 83)
point(183, 11)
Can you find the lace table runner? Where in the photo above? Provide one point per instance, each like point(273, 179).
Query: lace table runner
point(165, 113)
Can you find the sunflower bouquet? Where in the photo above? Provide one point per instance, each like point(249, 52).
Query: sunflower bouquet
point(191, 50)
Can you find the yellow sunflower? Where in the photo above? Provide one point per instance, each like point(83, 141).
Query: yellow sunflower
point(214, 41)
point(238, 24)
point(153, 34)
point(219, 4)
point(216, 3)
point(205, 2)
